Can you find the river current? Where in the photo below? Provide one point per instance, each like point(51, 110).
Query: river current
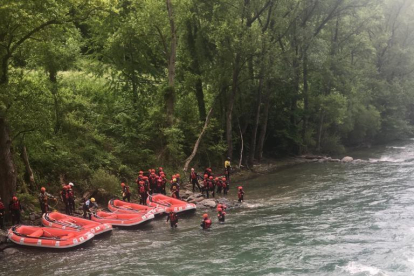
point(309, 219)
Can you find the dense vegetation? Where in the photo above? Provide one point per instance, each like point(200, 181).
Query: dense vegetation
point(98, 89)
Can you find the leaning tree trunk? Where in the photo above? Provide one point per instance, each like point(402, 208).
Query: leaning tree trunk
point(8, 176)
point(29, 172)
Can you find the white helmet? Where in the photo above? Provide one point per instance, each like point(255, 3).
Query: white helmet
point(71, 184)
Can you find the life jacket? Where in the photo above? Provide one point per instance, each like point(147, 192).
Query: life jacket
point(205, 183)
point(43, 197)
point(1, 206)
point(173, 217)
point(126, 190)
point(221, 214)
point(207, 224)
point(141, 189)
point(240, 194)
point(174, 194)
point(15, 205)
point(193, 175)
point(159, 183)
point(69, 194)
point(63, 193)
point(219, 183)
point(211, 184)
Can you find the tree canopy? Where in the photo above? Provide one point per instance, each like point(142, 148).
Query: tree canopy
point(117, 86)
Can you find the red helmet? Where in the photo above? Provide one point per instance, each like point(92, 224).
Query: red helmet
point(219, 209)
point(206, 175)
point(68, 187)
point(205, 216)
point(141, 172)
point(14, 198)
point(162, 174)
point(209, 169)
point(160, 169)
point(240, 188)
point(141, 182)
point(122, 184)
point(152, 173)
point(43, 189)
point(152, 170)
point(210, 177)
point(224, 179)
point(216, 178)
point(177, 175)
point(219, 205)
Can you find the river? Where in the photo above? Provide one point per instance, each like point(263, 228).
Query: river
point(309, 219)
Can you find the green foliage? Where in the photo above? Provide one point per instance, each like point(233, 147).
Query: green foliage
point(85, 82)
point(104, 180)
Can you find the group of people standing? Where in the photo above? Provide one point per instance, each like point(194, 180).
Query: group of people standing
point(15, 209)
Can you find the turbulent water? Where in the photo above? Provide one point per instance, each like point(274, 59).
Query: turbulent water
point(310, 219)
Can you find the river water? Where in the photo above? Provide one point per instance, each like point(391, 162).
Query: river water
point(309, 219)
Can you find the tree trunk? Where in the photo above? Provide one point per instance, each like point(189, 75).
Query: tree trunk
point(7, 170)
point(29, 177)
point(263, 128)
point(229, 115)
point(170, 92)
point(256, 123)
point(242, 147)
point(200, 98)
point(190, 158)
point(305, 95)
point(320, 130)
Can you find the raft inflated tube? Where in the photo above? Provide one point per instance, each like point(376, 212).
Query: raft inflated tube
point(124, 220)
point(62, 221)
point(170, 204)
point(119, 206)
point(46, 237)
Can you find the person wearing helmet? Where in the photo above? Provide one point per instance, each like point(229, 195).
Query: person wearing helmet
point(225, 184)
point(194, 180)
point(240, 193)
point(89, 207)
point(2, 213)
point(206, 185)
point(208, 171)
point(160, 170)
point(175, 188)
point(44, 199)
point(219, 184)
point(70, 197)
point(221, 215)
point(152, 182)
point(227, 168)
point(211, 185)
point(126, 193)
point(163, 183)
point(173, 219)
point(158, 189)
point(143, 192)
point(15, 209)
point(206, 222)
point(174, 192)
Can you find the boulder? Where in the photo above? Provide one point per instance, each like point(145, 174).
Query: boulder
point(10, 251)
point(211, 203)
point(195, 200)
point(334, 160)
point(32, 216)
point(347, 159)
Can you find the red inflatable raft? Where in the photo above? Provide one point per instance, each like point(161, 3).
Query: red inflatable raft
point(169, 203)
point(118, 206)
point(59, 220)
point(124, 220)
point(48, 237)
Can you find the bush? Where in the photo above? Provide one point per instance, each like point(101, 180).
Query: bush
point(108, 182)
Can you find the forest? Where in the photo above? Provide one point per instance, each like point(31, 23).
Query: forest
point(92, 91)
